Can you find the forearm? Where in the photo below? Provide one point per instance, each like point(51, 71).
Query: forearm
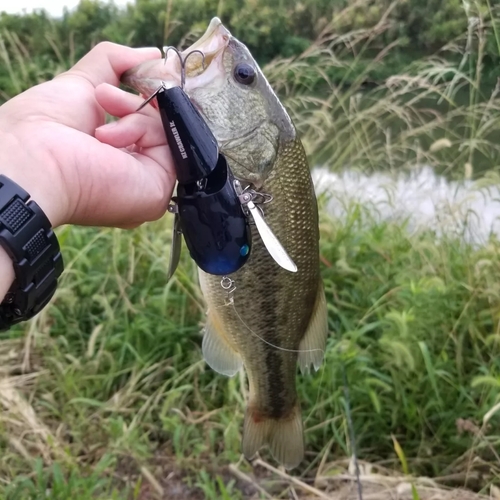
point(6, 273)
point(16, 164)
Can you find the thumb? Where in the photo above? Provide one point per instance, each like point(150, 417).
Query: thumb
point(106, 62)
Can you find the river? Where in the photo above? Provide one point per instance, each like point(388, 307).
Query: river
point(424, 199)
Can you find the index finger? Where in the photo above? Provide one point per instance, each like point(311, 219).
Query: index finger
point(105, 63)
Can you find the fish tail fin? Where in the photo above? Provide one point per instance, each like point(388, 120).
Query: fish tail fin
point(284, 436)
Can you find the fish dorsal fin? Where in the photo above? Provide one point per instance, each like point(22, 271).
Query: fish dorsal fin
point(218, 354)
point(313, 345)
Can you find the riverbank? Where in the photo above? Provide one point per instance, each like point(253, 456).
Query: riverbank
point(108, 385)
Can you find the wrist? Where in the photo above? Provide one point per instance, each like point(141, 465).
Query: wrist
point(27, 237)
point(35, 174)
point(7, 273)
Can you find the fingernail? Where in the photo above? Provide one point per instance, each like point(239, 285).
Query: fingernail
point(146, 49)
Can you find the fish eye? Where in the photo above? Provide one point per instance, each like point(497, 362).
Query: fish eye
point(244, 73)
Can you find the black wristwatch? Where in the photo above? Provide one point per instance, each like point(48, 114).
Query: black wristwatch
point(27, 237)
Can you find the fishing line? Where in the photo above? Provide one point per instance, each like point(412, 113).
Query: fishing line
point(229, 286)
point(231, 303)
point(350, 425)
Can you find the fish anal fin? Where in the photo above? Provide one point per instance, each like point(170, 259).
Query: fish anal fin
point(285, 436)
point(218, 354)
point(312, 346)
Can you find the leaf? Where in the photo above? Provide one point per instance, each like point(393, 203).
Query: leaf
point(401, 455)
point(430, 370)
point(487, 380)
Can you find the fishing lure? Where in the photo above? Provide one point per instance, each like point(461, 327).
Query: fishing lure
point(212, 209)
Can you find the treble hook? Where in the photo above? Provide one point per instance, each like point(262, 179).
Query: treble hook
point(183, 61)
point(183, 71)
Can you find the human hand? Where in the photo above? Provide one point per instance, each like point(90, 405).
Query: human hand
point(54, 144)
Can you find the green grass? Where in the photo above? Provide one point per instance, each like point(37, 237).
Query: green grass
point(105, 394)
point(118, 378)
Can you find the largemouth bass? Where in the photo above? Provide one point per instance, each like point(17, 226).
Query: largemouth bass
point(273, 319)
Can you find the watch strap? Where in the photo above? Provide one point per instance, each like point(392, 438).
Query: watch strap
point(27, 237)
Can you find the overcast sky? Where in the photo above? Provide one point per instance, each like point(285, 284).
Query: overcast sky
point(54, 7)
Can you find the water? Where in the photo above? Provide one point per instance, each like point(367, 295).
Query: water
point(424, 199)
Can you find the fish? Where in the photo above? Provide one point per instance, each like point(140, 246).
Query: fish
point(272, 320)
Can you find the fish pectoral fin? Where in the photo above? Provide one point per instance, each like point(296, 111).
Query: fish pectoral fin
point(312, 346)
point(285, 437)
point(218, 354)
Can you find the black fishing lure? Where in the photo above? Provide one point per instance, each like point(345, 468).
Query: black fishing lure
point(211, 219)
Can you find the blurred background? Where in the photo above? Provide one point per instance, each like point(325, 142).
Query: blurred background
point(105, 394)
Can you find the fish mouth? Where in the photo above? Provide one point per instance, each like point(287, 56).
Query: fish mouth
point(199, 59)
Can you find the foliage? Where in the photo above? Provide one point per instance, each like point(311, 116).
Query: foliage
point(281, 29)
point(117, 376)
